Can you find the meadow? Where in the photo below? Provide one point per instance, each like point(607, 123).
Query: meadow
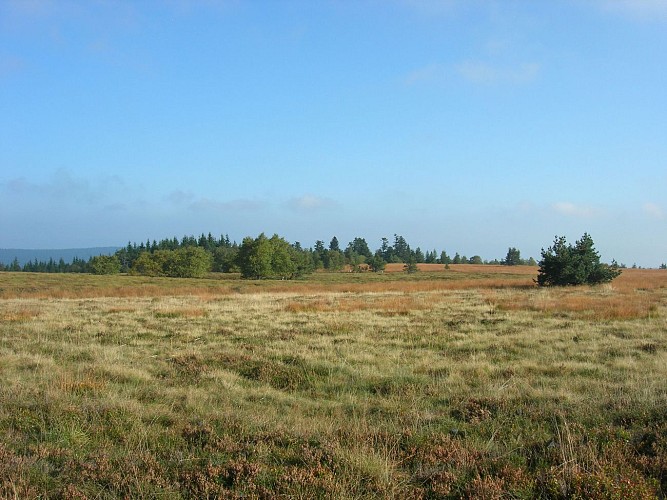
point(462, 383)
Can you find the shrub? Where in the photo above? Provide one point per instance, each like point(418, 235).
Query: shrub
point(564, 264)
point(105, 264)
point(188, 262)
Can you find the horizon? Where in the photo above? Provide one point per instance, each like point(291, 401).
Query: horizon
point(89, 251)
point(469, 127)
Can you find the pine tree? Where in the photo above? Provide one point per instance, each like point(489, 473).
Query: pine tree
point(564, 264)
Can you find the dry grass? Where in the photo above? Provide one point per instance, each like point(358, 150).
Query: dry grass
point(635, 294)
point(432, 278)
point(400, 304)
point(353, 386)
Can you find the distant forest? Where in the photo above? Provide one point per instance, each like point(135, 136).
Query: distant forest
point(260, 257)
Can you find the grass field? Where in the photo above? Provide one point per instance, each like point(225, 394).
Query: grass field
point(466, 383)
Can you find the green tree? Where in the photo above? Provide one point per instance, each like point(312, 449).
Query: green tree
point(386, 251)
point(376, 263)
point(262, 257)
point(333, 245)
point(563, 264)
point(411, 265)
point(444, 258)
point(475, 259)
point(319, 254)
point(419, 255)
point(283, 257)
point(359, 247)
point(402, 251)
point(513, 257)
point(188, 262)
point(185, 262)
point(150, 264)
point(334, 260)
point(224, 259)
point(305, 261)
point(15, 266)
point(105, 264)
point(254, 258)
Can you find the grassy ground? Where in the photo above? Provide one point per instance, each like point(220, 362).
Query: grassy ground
point(443, 384)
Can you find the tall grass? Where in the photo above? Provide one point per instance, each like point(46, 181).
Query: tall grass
point(335, 387)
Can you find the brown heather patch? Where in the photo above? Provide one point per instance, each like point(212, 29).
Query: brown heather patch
point(640, 279)
point(78, 384)
point(388, 305)
point(466, 268)
point(19, 315)
point(311, 306)
point(119, 310)
point(193, 312)
point(594, 303)
point(404, 388)
point(212, 288)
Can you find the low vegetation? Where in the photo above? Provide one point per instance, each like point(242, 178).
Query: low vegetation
point(470, 382)
point(578, 264)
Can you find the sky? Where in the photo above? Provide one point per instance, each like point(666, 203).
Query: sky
point(463, 125)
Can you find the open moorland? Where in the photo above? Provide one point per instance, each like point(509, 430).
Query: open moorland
point(463, 383)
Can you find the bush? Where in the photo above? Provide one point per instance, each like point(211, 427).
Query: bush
point(564, 264)
point(261, 257)
point(188, 262)
point(105, 264)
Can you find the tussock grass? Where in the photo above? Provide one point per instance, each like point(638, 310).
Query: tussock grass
point(602, 303)
point(374, 387)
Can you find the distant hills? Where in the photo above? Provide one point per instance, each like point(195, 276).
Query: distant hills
point(7, 255)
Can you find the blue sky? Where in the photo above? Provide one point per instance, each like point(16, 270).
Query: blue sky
point(469, 126)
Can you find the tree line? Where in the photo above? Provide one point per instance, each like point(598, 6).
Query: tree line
point(260, 257)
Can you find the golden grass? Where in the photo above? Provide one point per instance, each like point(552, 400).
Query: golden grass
point(20, 314)
point(393, 304)
point(635, 294)
point(452, 384)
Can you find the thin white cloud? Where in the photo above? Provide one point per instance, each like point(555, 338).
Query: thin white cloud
point(61, 186)
point(654, 210)
point(32, 8)
point(237, 205)
point(179, 197)
point(644, 10)
point(574, 210)
point(485, 73)
point(11, 65)
point(431, 8)
point(310, 203)
point(116, 207)
point(189, 7)
point(477, 72)
point(431, 73)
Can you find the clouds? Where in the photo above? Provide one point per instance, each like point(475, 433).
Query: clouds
point(480, 72)
point(11, 65)
point(307, 203)
point(63, 187)
point(654, 211)
point(585, 211)
point(310, 203)
point(226, 206)
point(429, 74)
point(575, 210)
point(477, 72)
point(643, 10)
